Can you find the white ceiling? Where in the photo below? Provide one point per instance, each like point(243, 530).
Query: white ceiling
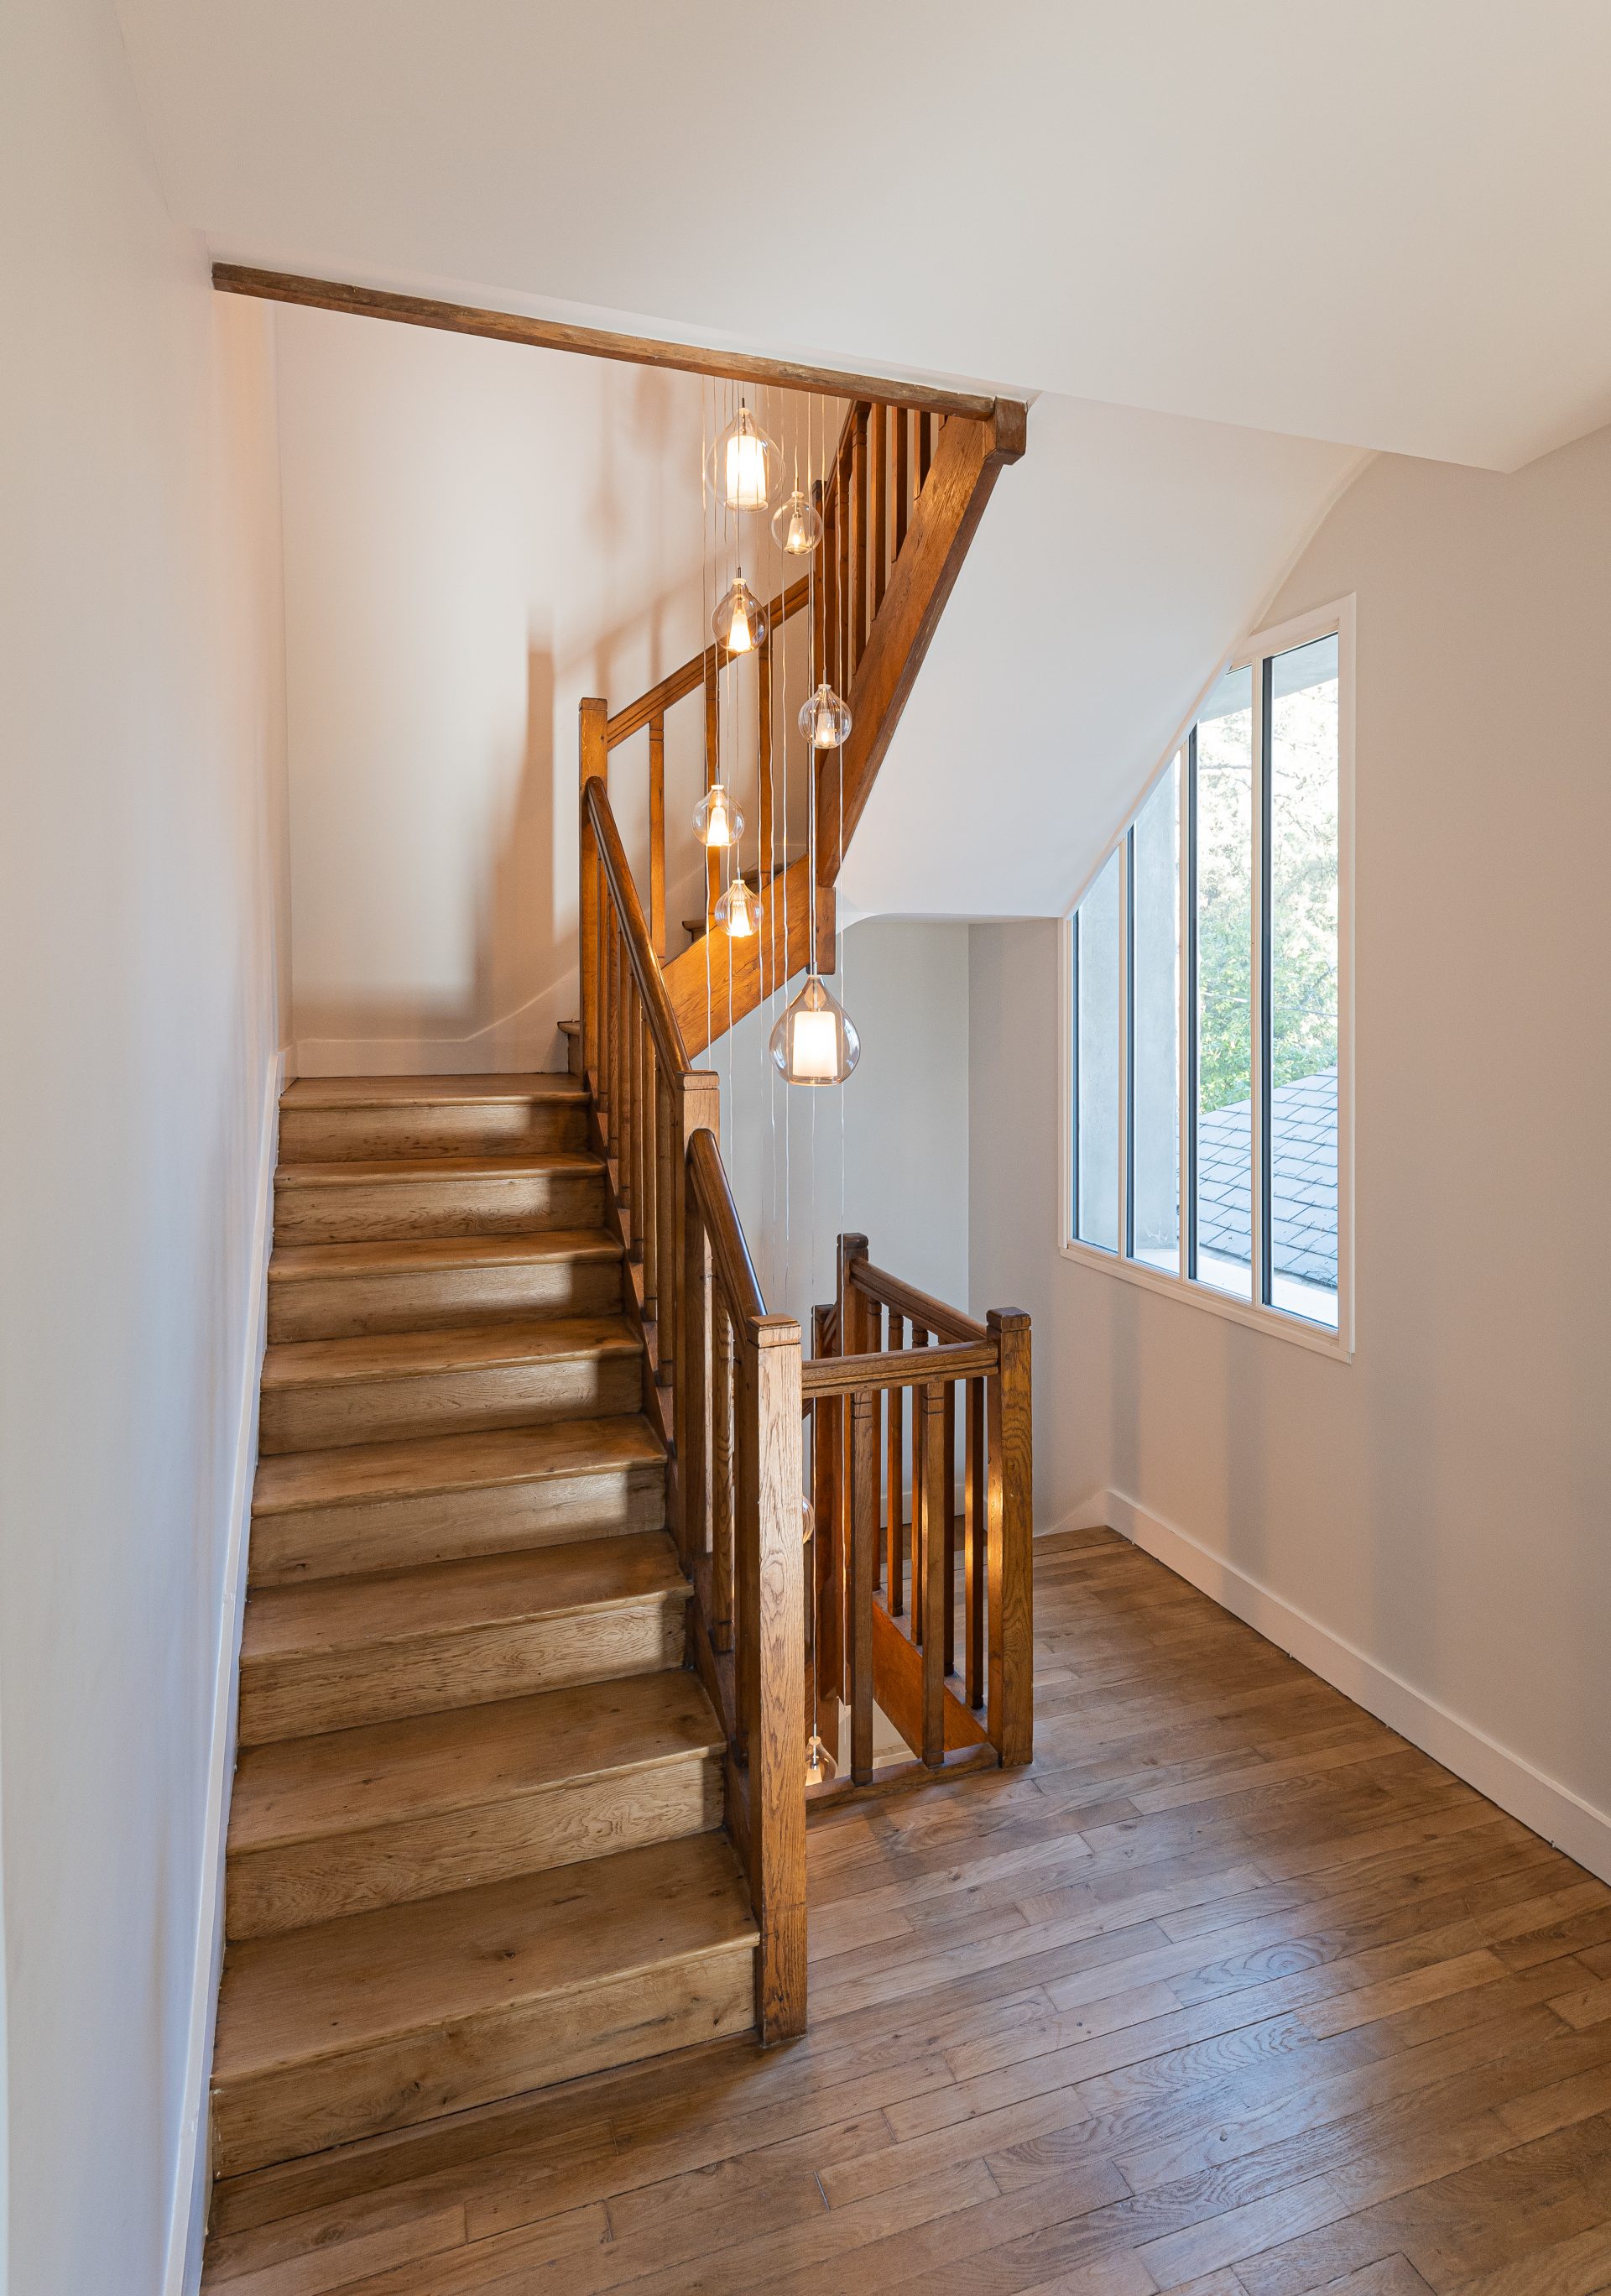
point(1114, 567)
point(1386, 222)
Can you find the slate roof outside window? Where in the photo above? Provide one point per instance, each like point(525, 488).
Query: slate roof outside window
point(1303, 1180)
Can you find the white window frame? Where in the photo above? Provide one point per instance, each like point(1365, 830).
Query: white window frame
point(1337, 619)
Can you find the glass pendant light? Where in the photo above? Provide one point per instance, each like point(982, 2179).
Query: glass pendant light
point(740, 621)
point(738, 910)
point(825, 720)
point(717, 822)
point(819, 1764)
point(815, 1042)
point(744, 463)
point(797, 527)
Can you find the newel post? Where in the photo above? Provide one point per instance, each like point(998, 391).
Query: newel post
point(1010, 1606)
point(594, 767)
point(777, 1736)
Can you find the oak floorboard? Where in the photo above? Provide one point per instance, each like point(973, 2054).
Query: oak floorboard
point(1231, 1993)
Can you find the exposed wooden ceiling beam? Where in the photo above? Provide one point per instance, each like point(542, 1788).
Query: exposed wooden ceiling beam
point(595, 342)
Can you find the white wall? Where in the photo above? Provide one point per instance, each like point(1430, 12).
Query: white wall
point(885, 1157)
point(477, 536)
point(1428, 1524)
point(139, 951)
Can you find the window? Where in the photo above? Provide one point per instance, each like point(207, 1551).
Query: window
point(1210, 1005)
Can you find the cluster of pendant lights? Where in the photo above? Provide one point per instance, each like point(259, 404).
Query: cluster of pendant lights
point(813, 1043)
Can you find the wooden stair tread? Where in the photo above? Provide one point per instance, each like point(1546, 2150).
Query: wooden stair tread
point(365, 1171)
point(428, 1091)
point(352, 1983)
point(461, 1596)
point(468, 1347)
point(358, 1473)
point(292, 1263)
point(303, 1789)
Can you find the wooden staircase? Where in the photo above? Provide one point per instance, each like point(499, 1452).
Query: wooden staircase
point(475, 1843)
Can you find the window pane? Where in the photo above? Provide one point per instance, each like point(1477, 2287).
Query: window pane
point(1303, 980)
point(1224, 983)
point(1096, 944)
point(1155, 964)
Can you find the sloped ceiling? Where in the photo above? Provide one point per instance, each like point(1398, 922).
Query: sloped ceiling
point(1113, 568)
point(1381, 223)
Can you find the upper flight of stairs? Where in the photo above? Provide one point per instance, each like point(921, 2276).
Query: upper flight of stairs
point(475, 1841)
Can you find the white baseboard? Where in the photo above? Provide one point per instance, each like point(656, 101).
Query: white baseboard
point(187, 2222)
point(1540, 1801)
point(526, 1039)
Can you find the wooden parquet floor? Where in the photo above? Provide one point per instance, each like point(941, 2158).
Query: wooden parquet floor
point(1232, 1992)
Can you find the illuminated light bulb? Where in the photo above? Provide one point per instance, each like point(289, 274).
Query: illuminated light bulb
point(796, 526)
point(814, 1042)
point(738, 910)
point(740, 621)
point(717, 822)
point(825, 719)
point(744, 464)
point(819, 1765)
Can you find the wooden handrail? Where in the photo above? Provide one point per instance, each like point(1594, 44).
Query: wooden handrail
point(694, 673)
point(871, 1373)
point(919, 1306)
point(649, 980)
point(725, 1382)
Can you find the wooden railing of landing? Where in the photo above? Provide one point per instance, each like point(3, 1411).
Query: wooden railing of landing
point(902, 495)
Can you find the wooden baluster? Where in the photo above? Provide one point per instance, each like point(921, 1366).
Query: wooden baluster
point(594, 762)
point(777, 1764)
point(974, 1542)
point(694, 1380)
point(920, 1504)
point(721, 1475)
point(657, 836)
point(881, 416)
point(713, 773)
point(859, 568)
point(764, 756)
point(744, 1593)
point(936, 1608)
point(895, 1542)
point(841, 596)
point(651, 1201)
point(640, 1128)
point(666, 1235)
point(925, 447)
point(864, 1548)
point(902, 475)
point(617, 1114)
point(631, 1220)
point(1010, 1713)
point(950, 1514)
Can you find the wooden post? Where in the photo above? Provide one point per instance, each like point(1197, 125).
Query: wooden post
point(594, 760)
point(826, 1540)
point(974, 1502)
point(657, 836)
point(777, 1761)
point(895, 1497)
point(936, 1478)
point(1011, 1601)
point(863, 1544)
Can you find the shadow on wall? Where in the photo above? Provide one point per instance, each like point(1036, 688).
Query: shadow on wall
point(521, 919)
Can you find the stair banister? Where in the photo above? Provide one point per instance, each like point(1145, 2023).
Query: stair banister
point(726, 1378)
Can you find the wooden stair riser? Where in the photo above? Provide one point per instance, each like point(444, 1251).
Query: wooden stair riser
point(319, 1135)
point(331, 1542)
point(349, 1307)
point(288, 2111)
point(293, 1886)
point(297, 1694)
point(375, 1209)
point(323, 1416)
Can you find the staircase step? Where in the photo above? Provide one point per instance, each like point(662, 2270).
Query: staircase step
point(353, 1819)
point(319, 1393)
point(346, 1290)
point(385, 2019)
point(326, 1118)
point(387, 1506)
point(364, 1201)
point(334, 1654)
